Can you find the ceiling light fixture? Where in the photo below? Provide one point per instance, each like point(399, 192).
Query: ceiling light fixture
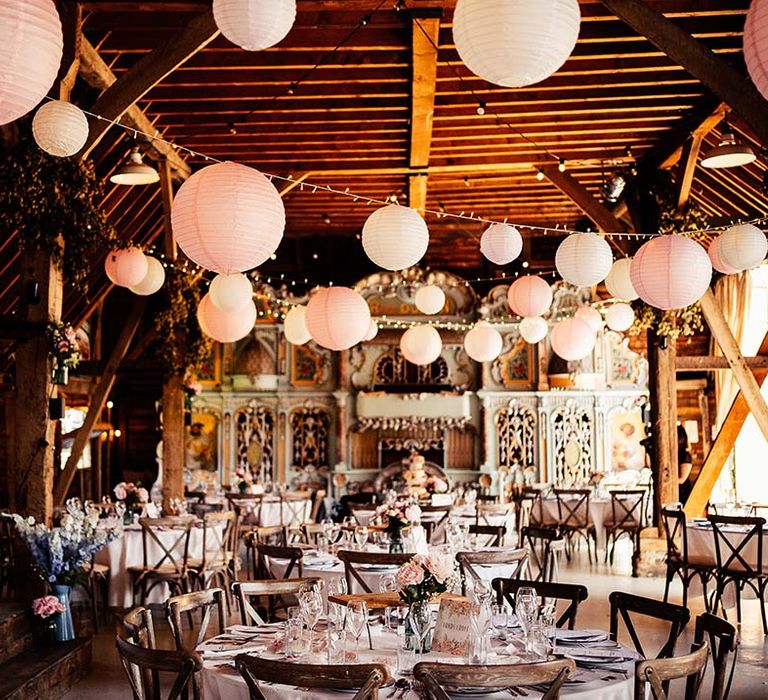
point(561, 165)
point(135, 171)
point(729, 152)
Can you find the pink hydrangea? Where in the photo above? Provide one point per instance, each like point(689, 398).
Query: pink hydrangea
point(440, 565)
point(409, 574)
point(47, 606)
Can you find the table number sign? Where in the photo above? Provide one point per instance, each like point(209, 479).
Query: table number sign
point(453, 626)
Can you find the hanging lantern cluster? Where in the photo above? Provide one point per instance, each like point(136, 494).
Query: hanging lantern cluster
point(225, 326)
point(131, 268)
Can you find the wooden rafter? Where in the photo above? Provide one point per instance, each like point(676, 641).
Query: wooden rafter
point(709, 363)
point(166, 194)
point(72, 29)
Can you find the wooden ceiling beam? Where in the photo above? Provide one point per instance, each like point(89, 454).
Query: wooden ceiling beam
point(685, 170)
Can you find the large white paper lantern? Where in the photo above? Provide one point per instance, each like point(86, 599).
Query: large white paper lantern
point(717, 260)
point(671, 272)
point(30, 53)
point(231, 292)
point(572, 339)
point(756, 45)
point(534, 329)
point(592, 316)
point(225, 326)
point(126, 267)
point(153, 280)
point(337, 317)
point(483, 343)
point(429, 299)
point(373, 330)
point(295, 326)
point(254, 25)
point(60, 128)
point(743, 247)
point(618, 282)
point(501, 243)
point(228, 218)
point(620, 317)
point(421, 344)
point(515, 43)
point(529, 296)
point(395, 237)
point(584, 259)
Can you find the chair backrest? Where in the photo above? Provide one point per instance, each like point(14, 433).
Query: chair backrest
point(493, 513)
point(516, 560)
point(248, 592)
point(657, 673)
point(143, 666)
point(723, 641)
point(173, 552)
point(353, 560)
point(675, 531)
point(292, 555)
point(275, 535)
point(489, 535)
point(626, 605)
point(218, 538)
point(627, 508)
point(368, 678)
point(575, 594)
point(542, 543)
point(437, 677)
point(310, 532)
point(139, 625)
point(295, 508)
point(317, 503)
point(733, 550)
point(572, 507)
point(434, 520)
point(206, 600)
point(531, 507)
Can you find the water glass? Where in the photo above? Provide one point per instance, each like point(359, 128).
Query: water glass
point(294, 646)
point(357, 620)
point(361, 537)
point(406, 655)
point(537, 644)
point(322, 543)
point(526, 607)
point(477, 642)
point(499, 620)
point(336, 643)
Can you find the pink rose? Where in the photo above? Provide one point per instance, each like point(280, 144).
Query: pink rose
point(413, 513)
point(47, 606)
point(143, 495)
point(120, 491)
point(440, 565)
point(409, 574)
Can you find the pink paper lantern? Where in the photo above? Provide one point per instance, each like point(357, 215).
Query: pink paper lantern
point(228, 218)
point(126, 267)
point(483, 343)
point(225, 326)
point(756, 45)
point(716, 258)
point(592, 316)
point(337, 318)
point(529, 296)
point(572, 339)
point(421, 344)
point(671, 272)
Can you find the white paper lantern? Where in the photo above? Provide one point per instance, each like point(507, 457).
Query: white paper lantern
point(572, 339)
point(515, 43)
point(618, 282)
point(295, 326)
point(126, 267)
point(373, 330)
point(429, 299)
point(620, 317)
point(31, 44)
point(231, 292)
point(395, 237)
point(742, 247)
point(529, 296)
point(421, 344)
point(337, 317)
point(60, 128)
point(483, 343)
point(533, 329)
point(671, 272)
point(592, 316)
point(254, 25)
point(228, 218)
point(225, 326)
point(501, 243)
point(584, 259)
point(717, 260)
point(153, 280)
point(756, 45)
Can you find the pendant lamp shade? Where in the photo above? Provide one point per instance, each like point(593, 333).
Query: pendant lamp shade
point(533, 329)
point(483, 343)
point(295, 326)
point(421, 344)
point(429, 299)
point(231, 292)
point(254, 25)
point(153, 280)
point(572, 339)
point(742, 247)
point(225, 326)
point(529, 296)
point(337, 317)
point(60, 128)
point(584, 259)
point(501, 244)
point(618, 282)
point(395, 237)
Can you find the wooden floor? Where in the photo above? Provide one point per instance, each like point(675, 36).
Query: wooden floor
point(107, 681)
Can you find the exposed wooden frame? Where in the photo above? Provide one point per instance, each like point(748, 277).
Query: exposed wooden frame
point(710, 363)
point(166, 195)
point(686, 169)
point(72, 26)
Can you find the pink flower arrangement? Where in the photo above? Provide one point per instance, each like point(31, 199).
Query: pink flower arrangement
point(399, 514)
point(46, 606)
point(424, 576)
point(409, 574)
point(132, 494)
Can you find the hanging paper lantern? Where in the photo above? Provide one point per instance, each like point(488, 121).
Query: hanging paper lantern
point(126, 267)
point(337, 317)
point(254, 26)
point(592, 316)
point(421, 344)
point(373, 330)
point(572, 339)
point(153, 280)
point(756, 46)
point(618, 282)
point(529, 296)
point(225, 326)
point(620, 317)
point(31, 44)
point(483, 343)
point(717, 260)
point(533, 329)
point(515, 43)
point(429, 299)
point(501, 244)
point(742, 247)
point(295, 326)
point(671, 272)
point(228, 218)
point(584, 259)
point(231, 292)
point(60, 128)
point(395, 237)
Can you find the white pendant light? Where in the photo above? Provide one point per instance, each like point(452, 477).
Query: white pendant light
point(254, 25)
point(153, 280)
point(421, 344)
point(60, 128)
point(373, 330)
point(592, 316)
point(338, 317)
point(230, 292)
point(572, 339)
point(501, 244)
point(483, 343)
point(126, 267)
point(533, 329)
point(395, 237)
point(295, 326)
point(742, 247)
point(584, 259)
point(429, 299)
point(620, 317)
point(135, 171)
point(618, 282)
point(225, 326)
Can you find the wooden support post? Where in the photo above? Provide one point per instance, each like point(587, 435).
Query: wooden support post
point(686, 169)
point(173, 439)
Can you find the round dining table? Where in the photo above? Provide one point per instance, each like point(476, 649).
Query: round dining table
point(598, 514)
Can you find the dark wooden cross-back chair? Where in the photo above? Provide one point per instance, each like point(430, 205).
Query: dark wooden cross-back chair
point(657, 673)
point(531, 509)
point(294, 556)
point(249, 594)
point(207, 601)
point(139, 625)
point(352, 560)
point(506, 589)
point(573, 519)
point(218, 567)
point(489, 535)
point(626, 521)
point(434, 526)
point(516, 560)
point(723, 643)
point(543, 545)
point(295, 508)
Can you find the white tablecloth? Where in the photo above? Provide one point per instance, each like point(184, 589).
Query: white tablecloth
point(270, 511)
point(599, 512)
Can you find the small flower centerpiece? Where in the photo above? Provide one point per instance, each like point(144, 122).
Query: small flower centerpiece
point(45, 608)
point(133, 496)
point(64, 350)
point(397, 516)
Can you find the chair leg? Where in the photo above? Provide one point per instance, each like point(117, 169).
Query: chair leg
point(666, 585)
point(761, 598)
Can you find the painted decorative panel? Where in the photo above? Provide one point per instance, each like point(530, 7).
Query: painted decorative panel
point(515, 436)
point(572, 444)
point(255, 440)
point(310, 428)
point(392, 369)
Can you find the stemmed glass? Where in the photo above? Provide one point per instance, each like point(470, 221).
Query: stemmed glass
point(499, 619)
point(357, 619)
point(526, 607)
point(311, 604)
point(361, 537)
point(387, 584)
point(120, 510)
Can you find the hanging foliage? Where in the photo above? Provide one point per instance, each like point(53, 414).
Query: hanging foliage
point(182, 348)
point(54, 205)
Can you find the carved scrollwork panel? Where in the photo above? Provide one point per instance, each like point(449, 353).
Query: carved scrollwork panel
point(572, 448)
point(310, 429)
point(255, 440)
point(516, 436)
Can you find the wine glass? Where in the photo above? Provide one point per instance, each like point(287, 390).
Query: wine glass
point(357, 619)
point(361, 537)
point(311, 604)
point(499, 619)
point(526, 607)
point(120, 510)
point(387, 584)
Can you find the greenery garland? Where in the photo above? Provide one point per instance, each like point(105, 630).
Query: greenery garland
point(55, 205)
